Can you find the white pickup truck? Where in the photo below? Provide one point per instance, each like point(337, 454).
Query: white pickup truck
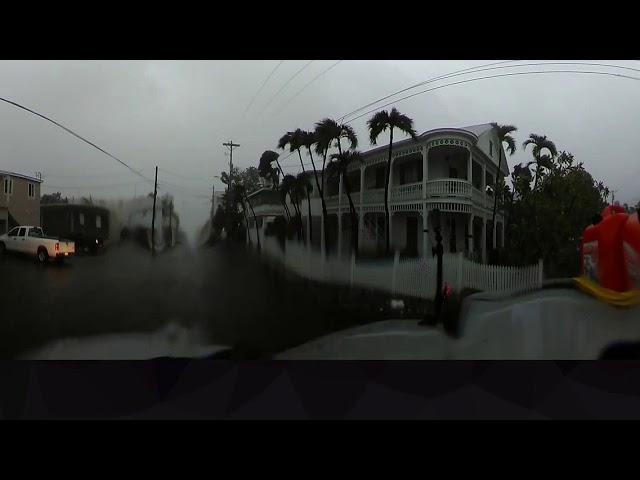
point(32, 241)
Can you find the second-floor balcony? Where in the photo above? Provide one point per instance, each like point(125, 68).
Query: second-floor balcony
point(408, 191)
point(441, 188)
point(448, 187)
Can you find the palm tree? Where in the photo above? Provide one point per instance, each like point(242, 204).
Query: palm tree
point(308, 141)
point(237, 192)
point(305, 186)
point(504, 136)
point(289, 187)
point(266, 170)
point(241, 192)
point(540, 143)
point(329, 133)
point(378, 124)
point(295, 141)
point(338, 166)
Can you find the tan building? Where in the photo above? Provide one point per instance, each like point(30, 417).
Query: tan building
point(19, 200)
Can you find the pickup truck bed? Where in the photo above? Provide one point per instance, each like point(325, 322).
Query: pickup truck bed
point(32, 241)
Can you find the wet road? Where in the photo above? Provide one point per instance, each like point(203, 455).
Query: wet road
point(235, 299)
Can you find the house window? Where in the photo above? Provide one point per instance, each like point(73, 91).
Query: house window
point(98, 221)
point(8, 186)
point(81, 219)
point(491, 148)
point(32, 190)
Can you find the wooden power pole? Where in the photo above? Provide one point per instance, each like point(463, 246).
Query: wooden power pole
point(230, 145)
point(153, 216)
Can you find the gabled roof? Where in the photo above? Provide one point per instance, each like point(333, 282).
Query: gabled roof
point(19, 175)
point(474, 130)
point(478, 130)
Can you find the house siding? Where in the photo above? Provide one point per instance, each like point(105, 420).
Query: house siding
point(25, 210)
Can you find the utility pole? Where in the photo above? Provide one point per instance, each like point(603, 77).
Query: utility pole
point(230, 145)
point(153, 216)
point(613, 196)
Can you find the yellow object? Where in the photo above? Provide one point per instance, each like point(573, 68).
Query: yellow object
point(617, 299)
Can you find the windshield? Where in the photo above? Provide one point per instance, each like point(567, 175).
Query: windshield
point(265, 205)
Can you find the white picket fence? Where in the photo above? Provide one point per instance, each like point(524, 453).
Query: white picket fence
point(403, 277)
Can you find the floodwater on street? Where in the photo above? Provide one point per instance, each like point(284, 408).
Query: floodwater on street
point(222, 291)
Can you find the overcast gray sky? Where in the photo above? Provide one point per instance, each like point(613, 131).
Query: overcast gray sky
point(177, 114)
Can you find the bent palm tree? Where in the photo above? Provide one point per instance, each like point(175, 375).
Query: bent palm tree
point(242, 193)
point(289, 187)
point(295, 141)
point(309, 140)
point(380, 122)
point(238, 192)
point(504, 136)
point(338, 166)
point(540, 143)
point(328, 133)
point(266, 170)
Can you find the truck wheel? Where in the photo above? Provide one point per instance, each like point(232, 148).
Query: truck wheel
point(43, 255)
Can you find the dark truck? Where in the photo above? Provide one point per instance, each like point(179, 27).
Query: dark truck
point(86, 225)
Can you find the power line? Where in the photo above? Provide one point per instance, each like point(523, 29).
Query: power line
point(15, 104)
point(579, 72)
point(99, 175)
point(484, 68)
point(260, 89)
point(286, 83)
point(506, 75)
point(440, 77)
point(89, 187)
point(193, 179)
point(303, 88)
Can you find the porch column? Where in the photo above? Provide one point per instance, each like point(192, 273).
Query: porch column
point(425, 170)
point(340, 216)
point(470, 237)
point(484, 239)
point(361, 216)
point(494, 228)
point(425, 235)
point(484, 185)
point(390, 181)
point(470, 170)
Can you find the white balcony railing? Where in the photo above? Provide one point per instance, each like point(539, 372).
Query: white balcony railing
point(408, 191)
point(449, 188)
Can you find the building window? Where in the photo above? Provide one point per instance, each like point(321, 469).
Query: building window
point(32, 190)
point(491, 148)
point(8, 186)
point(81, 219)
point(98, 221)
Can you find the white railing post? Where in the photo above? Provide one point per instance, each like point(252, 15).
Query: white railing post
point(540, 272)
point(394, 272)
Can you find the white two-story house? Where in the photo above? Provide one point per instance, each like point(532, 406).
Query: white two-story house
point(447, 169)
